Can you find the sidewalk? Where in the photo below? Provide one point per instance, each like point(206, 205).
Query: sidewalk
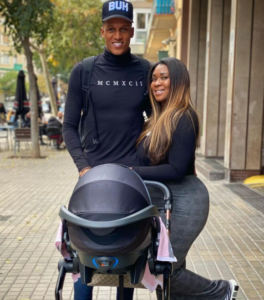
point(231, 245)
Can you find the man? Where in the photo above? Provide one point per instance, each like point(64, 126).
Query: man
point(54, 129)
point(26, 122)
point(116, 101)
point(60, 117)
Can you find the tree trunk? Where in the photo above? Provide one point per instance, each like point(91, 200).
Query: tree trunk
point(48, 82)
point(33, 100)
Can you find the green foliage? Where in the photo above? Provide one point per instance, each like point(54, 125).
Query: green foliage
point(75, 33)
point(37, 62)
point(8, 83)
point(63, 67)
point(27, 19)
point(68, 30)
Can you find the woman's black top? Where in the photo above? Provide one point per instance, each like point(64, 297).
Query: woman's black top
point(180, 159)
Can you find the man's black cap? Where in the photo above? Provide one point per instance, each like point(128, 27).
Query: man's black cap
point(117, 9)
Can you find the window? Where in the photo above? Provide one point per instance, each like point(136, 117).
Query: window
point(141, 36)
point(141, 21)
point(141, 27)
point(14, 59)
point(5, 39)
point(5, 59)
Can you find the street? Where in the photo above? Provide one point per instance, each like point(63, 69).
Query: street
point(32, 191)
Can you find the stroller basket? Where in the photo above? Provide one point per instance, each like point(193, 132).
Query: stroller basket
point(109, 227)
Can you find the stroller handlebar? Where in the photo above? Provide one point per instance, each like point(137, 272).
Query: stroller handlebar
point(145, 213)
point(167, 198)
point(166, 191)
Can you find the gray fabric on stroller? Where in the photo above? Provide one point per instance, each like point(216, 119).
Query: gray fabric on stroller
point(106, 193)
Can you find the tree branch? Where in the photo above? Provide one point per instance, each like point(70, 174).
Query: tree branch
point(35, 47)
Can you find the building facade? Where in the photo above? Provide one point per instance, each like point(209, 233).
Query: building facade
point(222, 44)
point(10, 60)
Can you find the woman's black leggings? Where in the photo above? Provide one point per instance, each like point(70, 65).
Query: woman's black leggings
point(189, 216)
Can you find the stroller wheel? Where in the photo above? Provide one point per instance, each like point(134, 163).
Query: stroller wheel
point(60, 281)
point(121, 287)
point(166, 285)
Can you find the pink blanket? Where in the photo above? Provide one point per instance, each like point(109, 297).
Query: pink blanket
point(165, 253)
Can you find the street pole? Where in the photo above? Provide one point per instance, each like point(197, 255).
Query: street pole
point(58, 87)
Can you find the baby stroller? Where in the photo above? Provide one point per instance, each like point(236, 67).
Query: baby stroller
point(54, 132)
point(112, 228)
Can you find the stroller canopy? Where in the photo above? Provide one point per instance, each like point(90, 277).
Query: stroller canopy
point(106, 193)
point(109, 192)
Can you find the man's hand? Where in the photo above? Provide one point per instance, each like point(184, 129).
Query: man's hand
point(83, 171)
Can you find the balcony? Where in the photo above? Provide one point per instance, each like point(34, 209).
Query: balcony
point(164, 7)
point(162, 23)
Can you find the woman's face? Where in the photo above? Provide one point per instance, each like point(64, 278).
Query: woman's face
point(160, 83)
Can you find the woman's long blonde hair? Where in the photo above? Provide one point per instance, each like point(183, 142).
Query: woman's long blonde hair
point(162, 123)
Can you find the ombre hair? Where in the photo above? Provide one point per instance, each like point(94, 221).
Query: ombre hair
point(159, 128)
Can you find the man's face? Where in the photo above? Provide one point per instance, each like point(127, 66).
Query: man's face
point(60, 115)
point(117, 33)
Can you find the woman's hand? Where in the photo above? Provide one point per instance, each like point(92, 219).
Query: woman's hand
point(83, 171)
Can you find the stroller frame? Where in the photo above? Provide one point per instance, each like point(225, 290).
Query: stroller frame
point(156, 267)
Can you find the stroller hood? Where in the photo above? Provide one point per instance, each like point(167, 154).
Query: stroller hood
point(109, 192)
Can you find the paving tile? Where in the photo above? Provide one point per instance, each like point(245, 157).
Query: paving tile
point(230, 246)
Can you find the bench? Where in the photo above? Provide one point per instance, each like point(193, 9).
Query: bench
point(21, 135)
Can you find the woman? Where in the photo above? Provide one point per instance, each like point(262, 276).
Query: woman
point(166, 150)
